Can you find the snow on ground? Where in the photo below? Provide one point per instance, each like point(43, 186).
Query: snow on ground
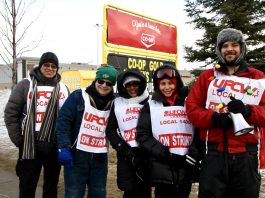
point(6, 146)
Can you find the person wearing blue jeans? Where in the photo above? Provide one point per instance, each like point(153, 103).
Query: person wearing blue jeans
point(93, 173)
point(81, 138)
point(30, 117)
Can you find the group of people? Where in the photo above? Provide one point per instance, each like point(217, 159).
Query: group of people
point(166, 140)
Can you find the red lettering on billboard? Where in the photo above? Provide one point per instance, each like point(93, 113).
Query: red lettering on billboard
point(132, 30)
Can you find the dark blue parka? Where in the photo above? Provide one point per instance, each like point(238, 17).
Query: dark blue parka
point(71, 114)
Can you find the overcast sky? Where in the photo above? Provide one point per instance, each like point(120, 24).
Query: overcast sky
point(69, 26)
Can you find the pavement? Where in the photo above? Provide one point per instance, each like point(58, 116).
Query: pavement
point(9, 184)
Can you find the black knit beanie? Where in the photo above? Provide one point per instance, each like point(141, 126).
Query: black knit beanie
point(230, 34)
point(49, 57)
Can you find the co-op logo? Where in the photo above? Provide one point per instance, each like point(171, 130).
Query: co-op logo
point(148, 40)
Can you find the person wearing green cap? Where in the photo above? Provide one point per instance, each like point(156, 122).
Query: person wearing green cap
point(80, 132)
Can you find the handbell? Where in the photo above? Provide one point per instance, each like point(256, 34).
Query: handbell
point(241, 126)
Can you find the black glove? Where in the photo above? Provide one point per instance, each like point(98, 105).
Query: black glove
point(123, 148)
point(136, 160)
point(221, 120)
point(177, 160)
point(192, 167)
point(172, 159)
point(127, 152)
point(190, 160)
point(237, 106)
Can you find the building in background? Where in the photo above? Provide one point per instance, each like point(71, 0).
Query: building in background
point(25, 64)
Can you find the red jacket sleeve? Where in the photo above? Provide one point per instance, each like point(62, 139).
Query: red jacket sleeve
point(196, 101)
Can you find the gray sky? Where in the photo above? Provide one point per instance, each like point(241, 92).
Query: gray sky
point(69, 27)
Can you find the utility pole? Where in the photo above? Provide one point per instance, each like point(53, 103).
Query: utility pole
point(98, 26)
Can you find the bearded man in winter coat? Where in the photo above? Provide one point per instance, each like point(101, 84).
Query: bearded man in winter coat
point(230, 166)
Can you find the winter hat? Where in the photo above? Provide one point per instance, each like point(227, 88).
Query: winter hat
point(108, 73)
point(130, 79)
point(48, 57)
point(230, 34)
point(167, 66)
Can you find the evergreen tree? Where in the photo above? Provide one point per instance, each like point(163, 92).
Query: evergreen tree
point(212, 16)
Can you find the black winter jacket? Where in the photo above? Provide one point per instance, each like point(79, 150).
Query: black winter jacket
point(126, 171)
point(161, 171)
point(16, 107)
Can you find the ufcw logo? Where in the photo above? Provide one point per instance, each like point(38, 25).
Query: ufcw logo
point(89, 117)
point(45, 95)
point(234, 86)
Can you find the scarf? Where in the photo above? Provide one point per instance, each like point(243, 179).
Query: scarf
point(138, 99)
point(46, 133)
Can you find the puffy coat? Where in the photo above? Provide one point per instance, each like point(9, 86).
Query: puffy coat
point(126, 172)
point(16, 107)
point(202, 117)
point(71, 115)
point(161, 172)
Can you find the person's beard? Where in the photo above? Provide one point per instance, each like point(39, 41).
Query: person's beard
point(231, 62)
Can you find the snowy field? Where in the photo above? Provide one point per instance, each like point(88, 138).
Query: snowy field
point(6, 145)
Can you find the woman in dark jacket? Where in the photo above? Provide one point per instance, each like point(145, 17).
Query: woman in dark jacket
point(164, 132)
point(120, 131)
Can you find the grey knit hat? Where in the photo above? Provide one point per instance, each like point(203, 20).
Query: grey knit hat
point(230, 34)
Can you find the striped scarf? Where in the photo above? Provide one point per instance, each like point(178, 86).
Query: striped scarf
point(46, 133)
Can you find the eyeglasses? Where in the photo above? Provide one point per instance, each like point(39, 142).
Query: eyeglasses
point(101, 82)
point(166, 72)
point(132, 84)
point(49, 65)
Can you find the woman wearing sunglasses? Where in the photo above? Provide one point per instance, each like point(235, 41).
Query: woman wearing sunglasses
point(81, 138)
point(120, 131)
point(164, 132)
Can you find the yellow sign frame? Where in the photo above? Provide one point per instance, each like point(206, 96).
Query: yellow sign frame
point(112, 48)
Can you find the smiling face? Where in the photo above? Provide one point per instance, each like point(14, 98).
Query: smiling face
point(132, 88)
point(230, 51)
point(103, 87)
point(166, 87)
point(48, 70)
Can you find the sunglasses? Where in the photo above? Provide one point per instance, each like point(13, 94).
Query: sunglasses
point(50, 65)
point(166, 72)
point(132, 84)
point(101, 82)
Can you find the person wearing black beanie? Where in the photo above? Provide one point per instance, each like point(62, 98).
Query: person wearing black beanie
point(48, 65)
point(223, 98)
point(49, 57)
point(30, 117)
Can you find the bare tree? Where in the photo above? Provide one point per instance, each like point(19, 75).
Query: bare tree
point(13, 32)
